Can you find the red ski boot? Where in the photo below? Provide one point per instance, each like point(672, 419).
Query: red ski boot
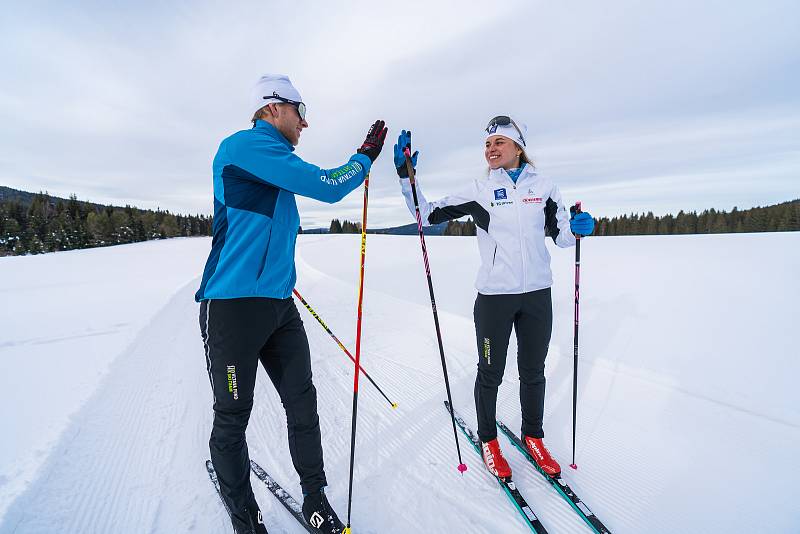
point(542, 456)
point(494, 460)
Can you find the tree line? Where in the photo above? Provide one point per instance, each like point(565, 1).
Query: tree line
point(784, 217)
point(49, 224)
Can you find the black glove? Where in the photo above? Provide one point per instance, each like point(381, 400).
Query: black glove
point(374, 142)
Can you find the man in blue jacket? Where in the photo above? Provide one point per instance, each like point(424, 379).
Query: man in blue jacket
point(247, 313)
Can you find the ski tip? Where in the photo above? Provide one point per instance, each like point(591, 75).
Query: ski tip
point(394, 405)
point(574, 466)
point(462, 468)
point(347, 530)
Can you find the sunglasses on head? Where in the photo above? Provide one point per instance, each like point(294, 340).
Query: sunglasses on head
point(301, 108)
point(504, 120)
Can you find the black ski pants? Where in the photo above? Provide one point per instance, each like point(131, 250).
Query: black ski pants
point(531, 315)
point(238, 333)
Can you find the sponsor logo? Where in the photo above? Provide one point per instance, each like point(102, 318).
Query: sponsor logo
point(502, 203)
point(500, 194)
point(488, 459)
point(487, 350)
point(233, 386)
point(316, 520)
point(536, 452)
point(340, 176)
point(532, 200)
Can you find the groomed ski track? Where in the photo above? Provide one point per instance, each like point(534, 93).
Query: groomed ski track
point(131, 460)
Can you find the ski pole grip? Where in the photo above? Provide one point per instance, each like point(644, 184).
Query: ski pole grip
point(409, 164)
point(575, 209)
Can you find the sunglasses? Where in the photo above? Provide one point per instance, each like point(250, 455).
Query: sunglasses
point(301, 108)
point(503, 120)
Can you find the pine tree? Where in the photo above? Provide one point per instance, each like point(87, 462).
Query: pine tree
point(650, 224)
point(720, 224)
point(471, 228)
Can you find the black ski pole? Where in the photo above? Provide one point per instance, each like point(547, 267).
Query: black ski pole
point(410, 166)
point(575, 210)
point(341, 345)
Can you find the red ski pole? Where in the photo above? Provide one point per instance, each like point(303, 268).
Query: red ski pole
point(358, 353)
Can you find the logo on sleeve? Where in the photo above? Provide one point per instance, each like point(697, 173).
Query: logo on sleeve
point(500, 194)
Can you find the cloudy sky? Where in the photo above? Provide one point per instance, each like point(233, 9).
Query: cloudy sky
point(630, 105)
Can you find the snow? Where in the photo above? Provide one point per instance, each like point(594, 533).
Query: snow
point(688, 410)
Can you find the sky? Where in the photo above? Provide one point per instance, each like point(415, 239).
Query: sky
point(631, 106)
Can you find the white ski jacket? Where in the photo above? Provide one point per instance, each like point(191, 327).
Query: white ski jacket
point(511, 220)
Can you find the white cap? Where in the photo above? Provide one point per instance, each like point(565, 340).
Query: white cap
point(270, 84)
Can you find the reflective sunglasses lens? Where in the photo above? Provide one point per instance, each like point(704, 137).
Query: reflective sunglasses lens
point(501, 120)
point(301, 110)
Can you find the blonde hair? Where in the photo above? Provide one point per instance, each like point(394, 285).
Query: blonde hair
point(523, 159)
point(259, 114)
point(262, 112)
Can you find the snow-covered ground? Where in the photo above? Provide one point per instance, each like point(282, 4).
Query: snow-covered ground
point(689, 416)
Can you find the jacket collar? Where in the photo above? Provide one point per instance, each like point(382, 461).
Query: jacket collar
point(273, 132)
point(501, 176)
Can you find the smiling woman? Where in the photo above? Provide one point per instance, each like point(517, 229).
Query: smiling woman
point(514, 209)
point(503, 151)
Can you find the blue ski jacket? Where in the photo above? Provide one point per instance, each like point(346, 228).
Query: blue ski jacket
point(256, 177)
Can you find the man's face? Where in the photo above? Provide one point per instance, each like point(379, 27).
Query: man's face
point(289, 123)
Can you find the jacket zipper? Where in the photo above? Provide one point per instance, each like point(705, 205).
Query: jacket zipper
point(519, 233)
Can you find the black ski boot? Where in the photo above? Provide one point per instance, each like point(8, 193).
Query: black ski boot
point(319, 514)
point(254, 523)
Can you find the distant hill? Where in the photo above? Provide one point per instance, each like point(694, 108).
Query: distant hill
point(23, 197)
point(26, 199)
point(410, 229)
point(406, 229)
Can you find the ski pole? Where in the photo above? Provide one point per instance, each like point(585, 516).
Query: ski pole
point(341, 345)
point(410, 166)
point(358, 354)
point(575, 210)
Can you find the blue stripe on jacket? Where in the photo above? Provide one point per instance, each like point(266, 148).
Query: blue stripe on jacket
point(256, 176)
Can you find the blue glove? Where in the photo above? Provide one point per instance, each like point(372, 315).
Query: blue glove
point(404, 141)
point(581, 224)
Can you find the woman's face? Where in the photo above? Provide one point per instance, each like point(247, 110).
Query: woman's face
point(502, 152)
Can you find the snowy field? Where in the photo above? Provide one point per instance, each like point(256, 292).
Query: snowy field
point(689, 412)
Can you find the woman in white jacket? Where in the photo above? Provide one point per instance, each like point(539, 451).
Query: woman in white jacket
point(514, 209)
